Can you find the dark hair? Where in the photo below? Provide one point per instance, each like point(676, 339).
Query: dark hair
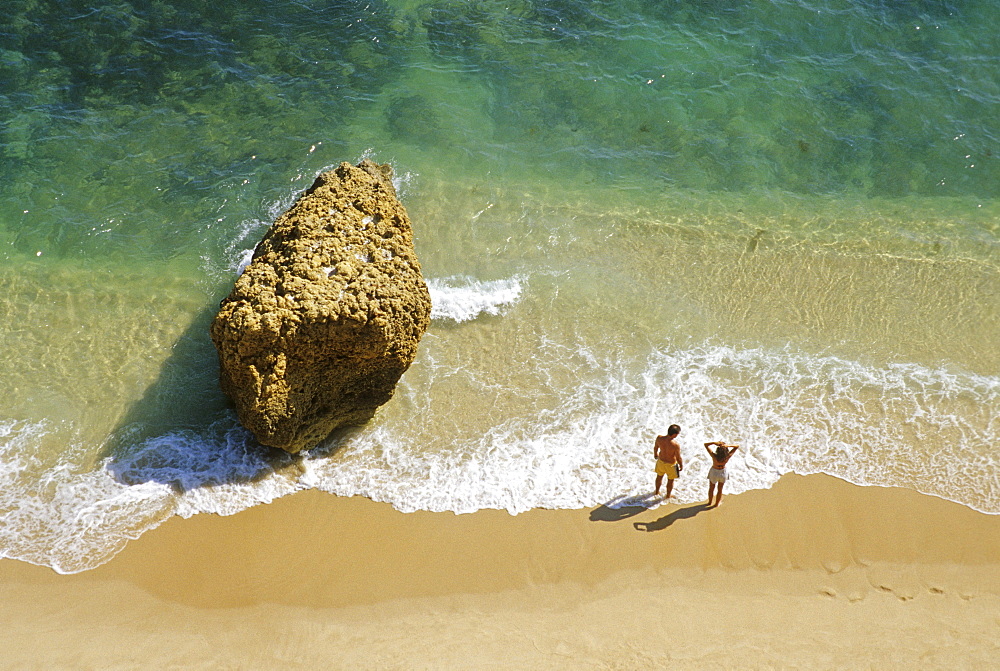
point(673, 430)
point(721, 452)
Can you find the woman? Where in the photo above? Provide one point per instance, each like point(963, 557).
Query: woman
point(717, 473)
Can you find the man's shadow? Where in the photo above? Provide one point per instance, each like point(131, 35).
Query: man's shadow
point(667, 520)
point(623, 507)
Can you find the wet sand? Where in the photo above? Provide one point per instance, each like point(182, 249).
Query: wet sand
point(813, 573)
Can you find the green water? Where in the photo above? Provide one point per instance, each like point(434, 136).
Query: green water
point(767, 219)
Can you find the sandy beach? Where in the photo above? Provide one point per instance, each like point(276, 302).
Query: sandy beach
point(813, 573)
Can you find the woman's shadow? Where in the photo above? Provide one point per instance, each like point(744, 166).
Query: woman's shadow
point(667, 520)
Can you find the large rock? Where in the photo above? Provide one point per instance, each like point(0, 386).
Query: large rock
point(327, 317)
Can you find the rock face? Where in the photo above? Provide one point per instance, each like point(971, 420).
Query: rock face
point(327, 317)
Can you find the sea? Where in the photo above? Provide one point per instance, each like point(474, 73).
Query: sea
point(772, 223)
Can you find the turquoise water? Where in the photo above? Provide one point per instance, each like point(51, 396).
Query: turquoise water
point(772, 223)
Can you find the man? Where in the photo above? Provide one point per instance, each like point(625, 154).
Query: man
point(668, 458)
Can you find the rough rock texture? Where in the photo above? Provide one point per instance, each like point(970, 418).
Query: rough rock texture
point(327, 316)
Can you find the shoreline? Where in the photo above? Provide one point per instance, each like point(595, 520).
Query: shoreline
point(824, 572)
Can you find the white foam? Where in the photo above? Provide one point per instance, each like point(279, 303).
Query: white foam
point(72, 517)
point(68, 517)
point(246, 256)
point(461, 298)
point(238, 254)
point(790, 411)
point(401, 181)
point(187, 460)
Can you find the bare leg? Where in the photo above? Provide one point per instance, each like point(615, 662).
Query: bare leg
point(711, 492)
point(718, 496)
point(659, 480)
point(670, 486)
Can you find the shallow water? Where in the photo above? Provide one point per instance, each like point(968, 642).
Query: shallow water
point(771, 223)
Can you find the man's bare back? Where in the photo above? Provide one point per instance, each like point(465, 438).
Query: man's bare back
point(667, 449)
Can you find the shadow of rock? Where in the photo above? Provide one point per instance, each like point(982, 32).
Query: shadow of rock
point(183, 432)
point(667, 520)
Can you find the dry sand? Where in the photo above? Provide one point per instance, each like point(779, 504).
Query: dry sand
point(813, 573)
